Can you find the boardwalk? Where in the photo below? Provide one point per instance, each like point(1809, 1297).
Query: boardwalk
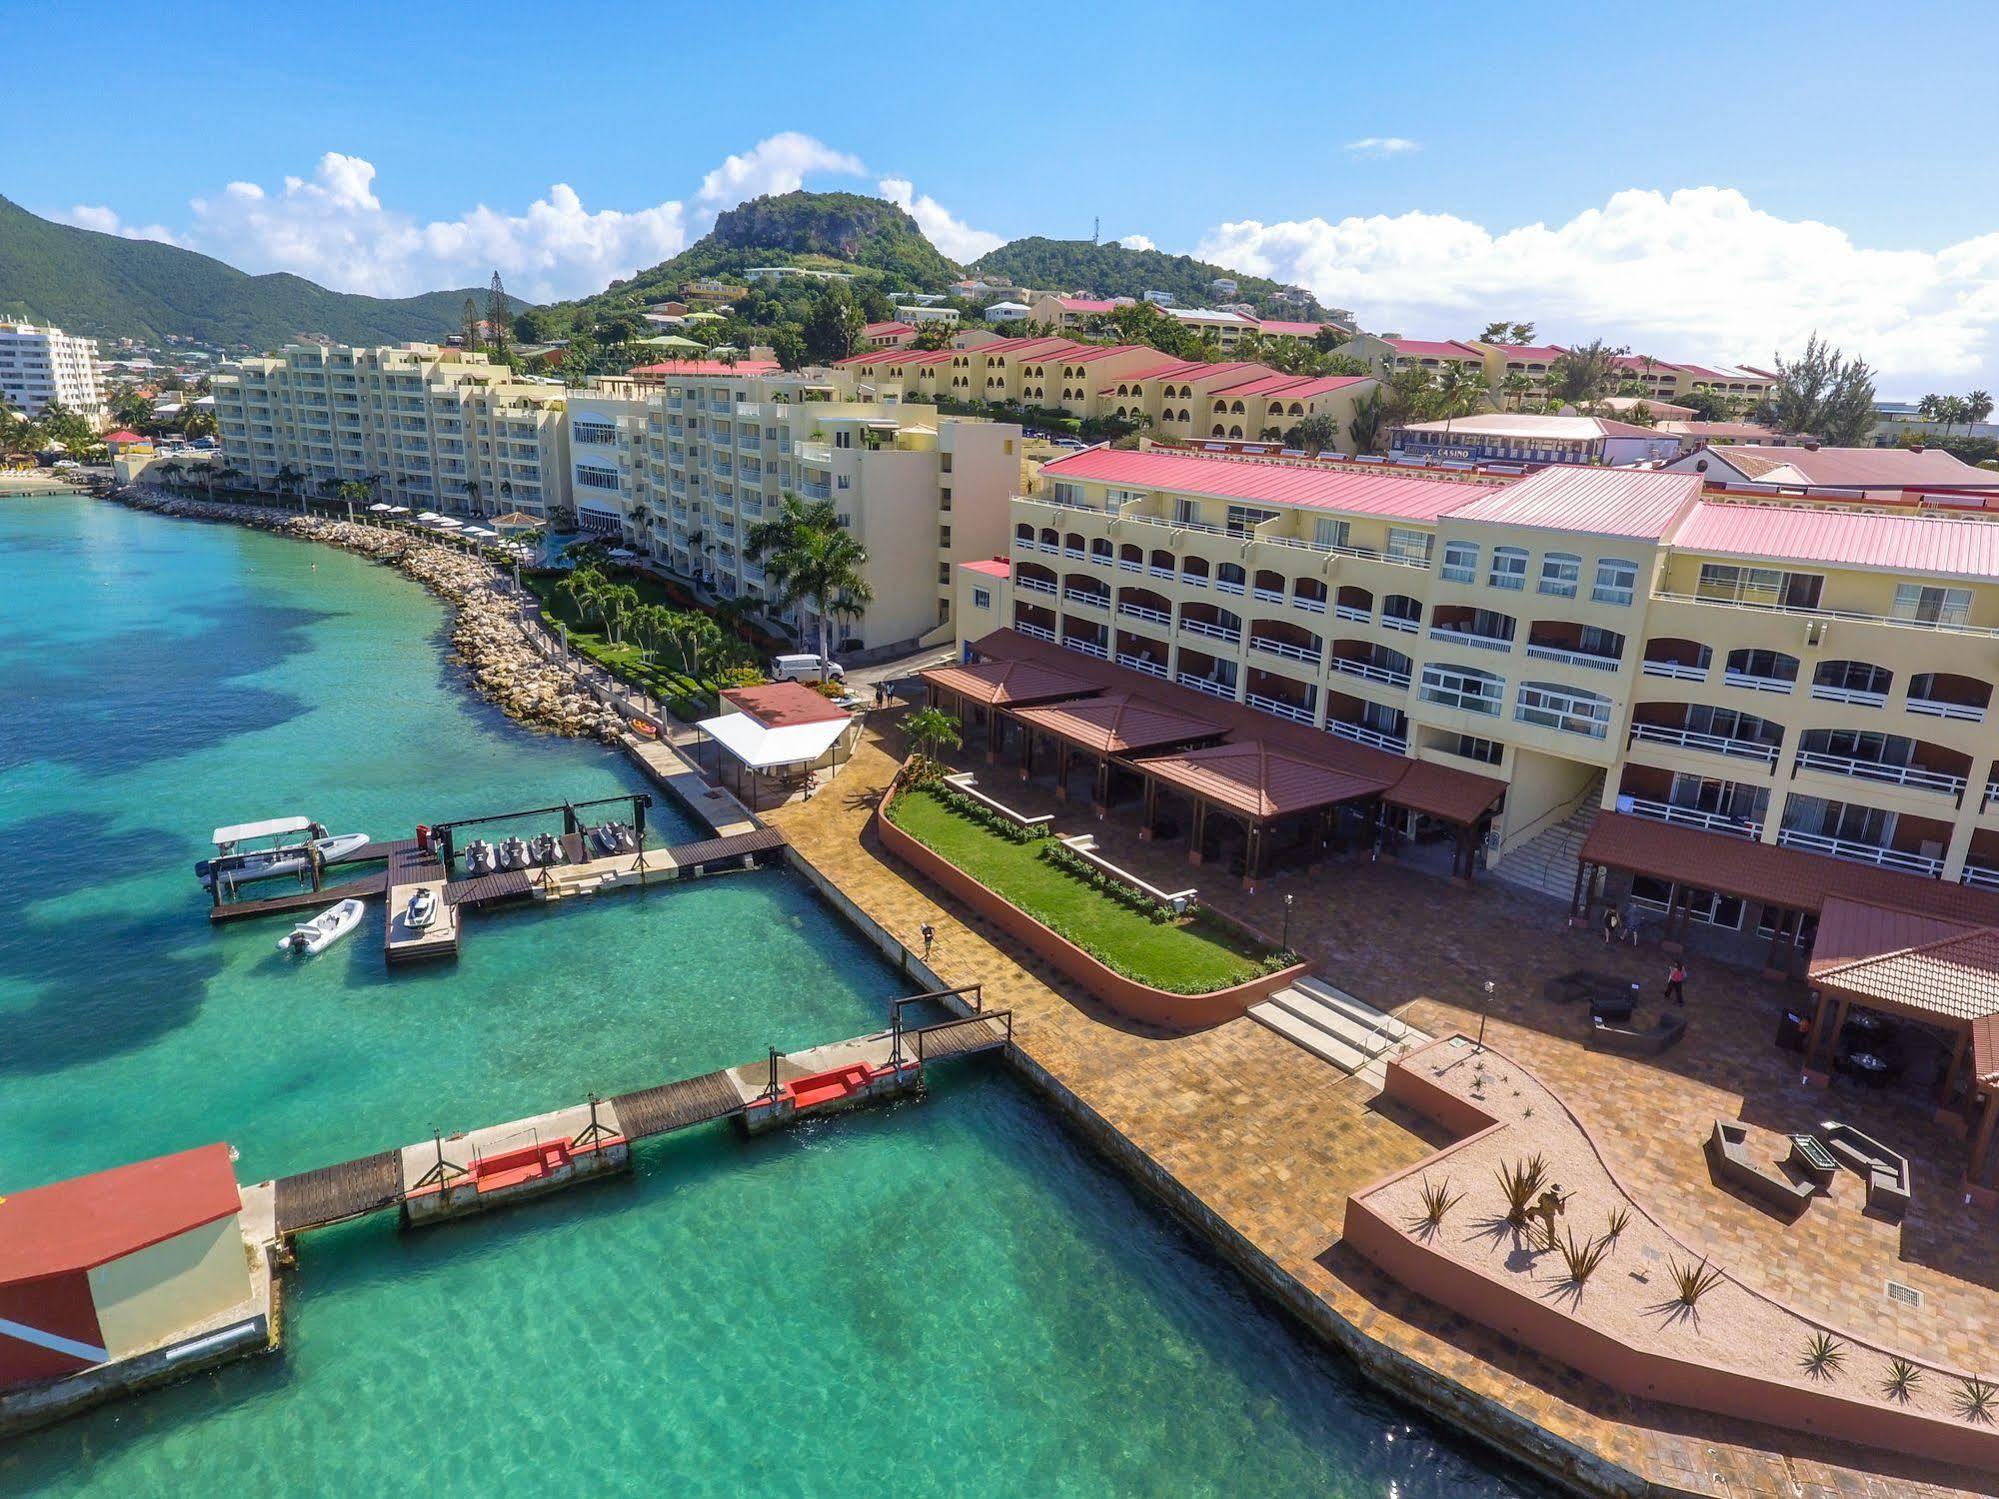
point(313, 1199)
point(681, 1105)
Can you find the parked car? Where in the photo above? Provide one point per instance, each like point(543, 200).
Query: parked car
point(805, 669)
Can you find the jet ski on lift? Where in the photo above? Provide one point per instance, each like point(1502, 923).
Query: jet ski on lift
point(480, 858)
point(513, 854)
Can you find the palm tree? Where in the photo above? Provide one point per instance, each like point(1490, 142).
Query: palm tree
point(1460, 390)
point(932, 730)
point(1930, 408)
point(617, 604)
point(696, 637)
point(1364, 427)
point(1515, 388)
point(1977, 407)
point(808, 557)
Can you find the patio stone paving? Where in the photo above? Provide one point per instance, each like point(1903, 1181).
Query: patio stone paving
point(1273, 1140)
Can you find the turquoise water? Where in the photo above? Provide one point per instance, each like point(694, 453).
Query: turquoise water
point(945, 1295)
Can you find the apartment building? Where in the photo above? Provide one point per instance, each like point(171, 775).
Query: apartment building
point(430, 427)
point(1388, 352)
point(1528, 437)
point(1227, 326)
point(1047, 371)
point(1809, 676)
point(41, 367)
point(682, 466)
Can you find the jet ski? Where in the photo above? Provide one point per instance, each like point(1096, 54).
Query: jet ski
point(545, 849)
point(513, 854)
point(626, 840)
point(604, 838)
point(479, 857)
point(422, 909)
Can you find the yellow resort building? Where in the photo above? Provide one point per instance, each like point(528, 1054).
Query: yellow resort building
point(429, 426)
point(1613, 645)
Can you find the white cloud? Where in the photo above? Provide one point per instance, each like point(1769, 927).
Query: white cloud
point(1137, 242)
point(334, 227)
point(106, 221)
point(775, 165)
point(957, 239)
point(1382, 145)
point(1699, 273)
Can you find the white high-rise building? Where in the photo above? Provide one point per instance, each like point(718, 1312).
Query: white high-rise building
point(44, 366)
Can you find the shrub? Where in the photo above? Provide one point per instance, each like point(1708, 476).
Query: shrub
point(1975, 1399)
point(1902, 1381)
point(1692, 1282)
point(1070, 862)
point(1438, 1200)
point(931, 779)
point(1581, 1260)
point(1519, 1182)
point(1823, 1356)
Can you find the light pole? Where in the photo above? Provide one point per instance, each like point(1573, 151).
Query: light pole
point(1484, 1009)
point(1284, 941)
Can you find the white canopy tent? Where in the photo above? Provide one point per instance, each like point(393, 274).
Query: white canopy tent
point(765, 751)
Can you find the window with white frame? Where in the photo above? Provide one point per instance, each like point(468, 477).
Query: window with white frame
point(589, 431)
point(597, 478)
point(1463, 687)
point(1405, 545)
point(1509, 568)
point(1556, 707)
point(1616, 582)
point(982, 598)
point(1067, 493)
point(1932, 606)
point(1460, 562)
point(1327, 532)
point(1560, 572)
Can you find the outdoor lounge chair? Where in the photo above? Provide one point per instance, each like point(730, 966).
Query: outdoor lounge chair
point(1624, 1040)
point(1885, 1172)
point(1729, 1161)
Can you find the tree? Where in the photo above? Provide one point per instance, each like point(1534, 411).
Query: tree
point(1977, 407)
point(1314, 434)
point(697, 639)
point(1584, 374)
point(617, 604)
point(809, 557)
point(1515, 389)
point(1824, 393)
point(354, 492)
point(1707, 405)
point(1460, 391)
point(499, 316)
point(59, 426)
point(788, 344)
point(1364, 427)
point(932, 334)
point(932, 730)
point(833, 329)
point(468, 323)
point(1503, 332)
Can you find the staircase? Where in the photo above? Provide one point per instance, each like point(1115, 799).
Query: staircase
point(1547, 861)
point(1337, 1028)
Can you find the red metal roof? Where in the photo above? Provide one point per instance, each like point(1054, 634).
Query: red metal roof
point(1429, 348)
point(1851, 468)
point(123, 436)
point(1260, 782)
point(876, 330)
point(708, 367)
point(992, 567)
point(1119, 723)
point(778, 705)
point(1530, 353)
point(1602, 501)
point(1090, 304)
point(1015, 682)
point(1283, 328)
point(1939, 545)
point(75, 1225)
point(1461, 796)
point(1361, 491)
point(1292, 387)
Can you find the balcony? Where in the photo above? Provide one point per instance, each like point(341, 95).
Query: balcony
point(1270, 595)
point(1931, 707)
point(1859, 697)
point(1086, 598)
point(820, 453)
point(1086, 647)
point(1752, 682)
point(1569, 657)
point(1452, 636)
point(1692, 817)
point(1981, 876)
point(1744, 749)
point(1208, 685)
point(1212, 632)
point(1141, 663)
point(1273, 647)
point(1861, 853)
point(1907, 622)
point(1353, 613)
point(1912, 776)
point(1360, 733)
point(1679, 671)
point(1280, 708)
point(1144, 612)
point(1034, 585)
point(1368, 671)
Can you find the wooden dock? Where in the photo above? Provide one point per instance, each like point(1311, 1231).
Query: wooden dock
point(409, 872)
point(373, 1183)
point(367, 887)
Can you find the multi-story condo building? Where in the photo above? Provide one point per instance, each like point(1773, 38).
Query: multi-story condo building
point(41, 367)
point(1528, 437)
point(682, 467)
point(430, 427)
point(1809, 675)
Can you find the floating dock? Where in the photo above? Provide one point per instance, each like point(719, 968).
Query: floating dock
point(449, 1176)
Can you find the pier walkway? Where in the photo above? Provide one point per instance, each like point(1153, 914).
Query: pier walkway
point(470, 1170)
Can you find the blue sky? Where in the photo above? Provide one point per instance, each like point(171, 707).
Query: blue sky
point(1847, 149)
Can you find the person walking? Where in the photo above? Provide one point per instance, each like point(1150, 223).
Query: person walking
point(1629, 916)
point(1611, 924)
point(1676, 983)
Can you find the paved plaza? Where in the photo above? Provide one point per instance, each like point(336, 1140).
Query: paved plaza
point(1273, 1140)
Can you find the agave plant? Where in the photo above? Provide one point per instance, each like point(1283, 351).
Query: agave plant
point(1520, 1182)
point(1903, 1378)
point(1692, 1282)
point(1824, 1354)
point(1619, 1221)
point(1975, 1399)
point(1581, 1259)
point(1438, 1200)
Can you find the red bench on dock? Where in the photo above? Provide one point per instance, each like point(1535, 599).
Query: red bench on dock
point(828, 1087)
point(511, 1168)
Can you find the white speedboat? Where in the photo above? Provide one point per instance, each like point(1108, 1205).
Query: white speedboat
point(422, 910)
point(323, 930)
point(268, 850)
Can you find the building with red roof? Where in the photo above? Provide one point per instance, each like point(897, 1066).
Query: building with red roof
point(893, 334)
point(104, 1267)
point(669, 369)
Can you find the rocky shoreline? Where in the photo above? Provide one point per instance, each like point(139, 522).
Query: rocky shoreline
point(486, 630)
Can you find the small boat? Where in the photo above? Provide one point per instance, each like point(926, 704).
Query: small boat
point(323, 930)
point(547, 849)
point(422, 910)
point(479, 857)
point(513, 854)
point(270, 855)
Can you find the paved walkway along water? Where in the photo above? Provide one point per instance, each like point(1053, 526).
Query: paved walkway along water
point(1269, 1142)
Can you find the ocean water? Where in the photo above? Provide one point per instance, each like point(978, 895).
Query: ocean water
point(947, 1295)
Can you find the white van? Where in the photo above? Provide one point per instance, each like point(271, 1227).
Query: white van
point(804, 669)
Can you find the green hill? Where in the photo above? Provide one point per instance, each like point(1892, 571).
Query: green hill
point(102, 286)
point(1111, 270)
point(832, 231)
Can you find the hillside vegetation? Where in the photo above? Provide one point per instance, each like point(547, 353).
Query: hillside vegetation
point(101, 286)
point(1112, 270)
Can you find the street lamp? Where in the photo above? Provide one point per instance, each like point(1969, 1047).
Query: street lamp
point(1284, 941)
point(1484, 1009)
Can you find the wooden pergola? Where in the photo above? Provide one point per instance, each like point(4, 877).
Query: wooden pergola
point(1108, 729)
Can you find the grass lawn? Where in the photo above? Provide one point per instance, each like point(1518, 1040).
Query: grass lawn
point(625, 660)
point(1191, 957)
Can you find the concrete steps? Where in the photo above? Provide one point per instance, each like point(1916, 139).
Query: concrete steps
point(1337, 1028)
point(1547, 861)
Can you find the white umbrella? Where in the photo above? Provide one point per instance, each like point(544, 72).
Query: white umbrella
point(399, 510)
point(447, 522)
point(380, 508)
point(429, 515)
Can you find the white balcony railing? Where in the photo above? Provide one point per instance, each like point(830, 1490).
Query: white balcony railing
point(1162, 572)
point(1678, 670)
point(1211, 632)
point(1953, 626)
point(1980, 875)
point(1285, 649)
point(1226, 586)
point(1033, 631)
point(1087, 599)
point(1140, 663)
point(1308, 605)
point(1399, 622)
point(1932, 707)
point(1692, 817)
point(1861, 853)
point(1350, 612)
point(1574, 658)
point(1208, 685)
point(1467, 637)
point(1144, 612)
point(1076, 552)
point(1034, 585)
point(1825, 692)
point(1367, 671)
point(1718, 744)
point(1360, 733)
point(1269, 596)
point(1280, 708)
point(1754, 683)
point(1087, 647)
point(1194, 580)
point(1912, 776)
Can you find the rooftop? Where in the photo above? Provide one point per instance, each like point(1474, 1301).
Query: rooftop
point(779, 705)
point(672, 367)
point(1602, 501)
point(1848, 468)
point(1529, 427)
point(87, 1221)
point(1431, 348)
point(1317, 486)
point(1894, 543)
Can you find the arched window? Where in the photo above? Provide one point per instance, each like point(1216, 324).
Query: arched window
point(1560, 572)
point(1218, 432)
point(1761, 671)
point(1296, 409)
point(1858, 682)
point(1235, 432)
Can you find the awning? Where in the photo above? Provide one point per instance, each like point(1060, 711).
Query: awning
point(1907, 961)
point(270, 827)
point(1443, 792)
point(760, 748)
